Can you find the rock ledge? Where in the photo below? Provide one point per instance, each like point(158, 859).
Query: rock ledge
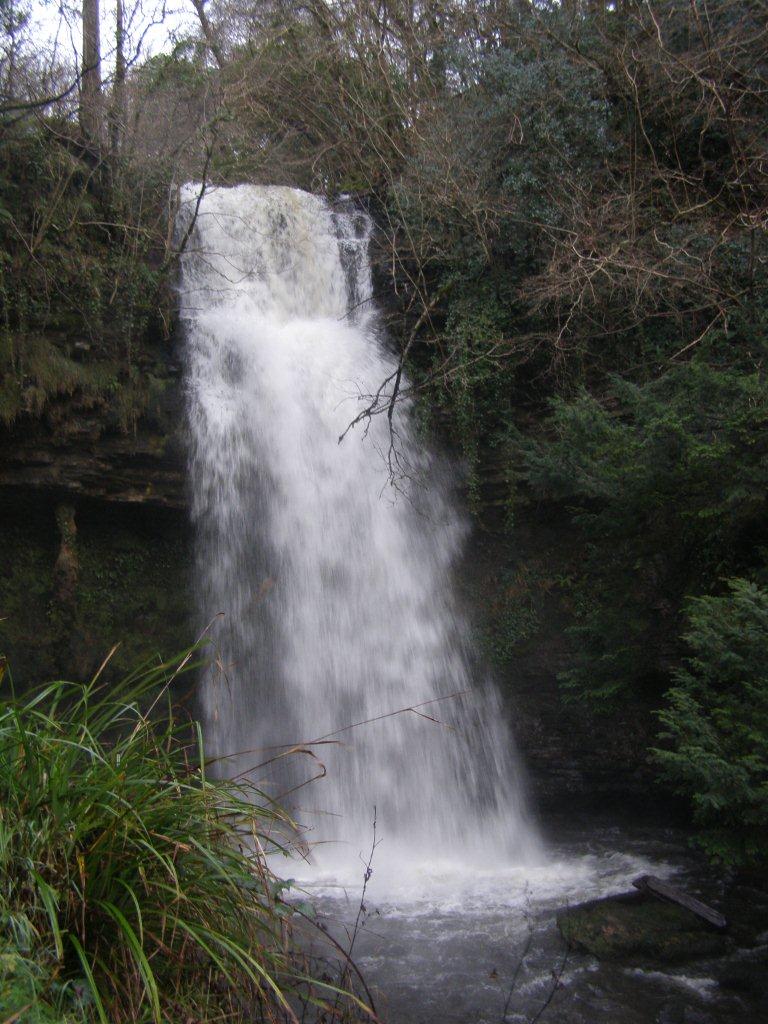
point(637, 928)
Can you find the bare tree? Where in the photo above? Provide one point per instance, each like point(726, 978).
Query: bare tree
point(209, 33)
point(117, 113)
point(90, 82)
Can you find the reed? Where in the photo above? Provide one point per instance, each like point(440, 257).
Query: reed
point(133, 886)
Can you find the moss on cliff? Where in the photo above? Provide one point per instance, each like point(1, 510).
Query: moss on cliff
point(132, 588)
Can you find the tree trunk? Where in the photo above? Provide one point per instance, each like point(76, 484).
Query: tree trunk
point(209, 33)
point(117, 109)
point(90, 83)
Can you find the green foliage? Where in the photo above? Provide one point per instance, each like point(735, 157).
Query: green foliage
point(595, 334)
point(30, 992)
point(548, 120)
point(477, 390)
point(80, 289)
point(515, 615)
point(716, 723)
point(128, 873)
point(667, 482)
point(42, 371)
point(527, 120)
point(486, 181)
point(179, 70)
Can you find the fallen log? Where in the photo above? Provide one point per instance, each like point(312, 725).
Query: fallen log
point(664, 891)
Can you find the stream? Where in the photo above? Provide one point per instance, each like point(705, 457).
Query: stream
point(445, 945)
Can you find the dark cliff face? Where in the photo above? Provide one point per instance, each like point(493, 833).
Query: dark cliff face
point(512, 580)
point(129, 564)
point(95, 537)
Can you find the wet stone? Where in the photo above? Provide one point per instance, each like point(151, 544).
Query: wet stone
point(749, 979)
point(637, 928)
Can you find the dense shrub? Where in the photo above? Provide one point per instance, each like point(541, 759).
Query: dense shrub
point(667, 484)
point(716, 723)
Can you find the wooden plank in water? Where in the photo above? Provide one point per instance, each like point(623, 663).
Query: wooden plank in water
point(665, 891)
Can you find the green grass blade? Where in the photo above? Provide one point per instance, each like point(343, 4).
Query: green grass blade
point(90, 979)
point(150, 982)
point(51, 904)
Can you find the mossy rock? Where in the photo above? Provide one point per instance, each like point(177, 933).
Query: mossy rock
point(639, 929)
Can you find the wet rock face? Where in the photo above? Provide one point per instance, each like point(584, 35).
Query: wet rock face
point(78, 449)
point(510, 583)
point(639, 929)
point(66, 568)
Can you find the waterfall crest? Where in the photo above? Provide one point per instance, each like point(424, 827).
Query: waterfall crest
point(337, 592)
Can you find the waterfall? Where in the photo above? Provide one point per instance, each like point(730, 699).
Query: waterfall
point(336, 588)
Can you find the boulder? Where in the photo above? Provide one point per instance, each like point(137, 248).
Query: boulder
point(637, 928)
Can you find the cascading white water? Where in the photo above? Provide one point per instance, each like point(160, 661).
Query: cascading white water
point(336, 590)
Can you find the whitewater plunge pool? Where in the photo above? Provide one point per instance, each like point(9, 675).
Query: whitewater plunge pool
point(453, 946)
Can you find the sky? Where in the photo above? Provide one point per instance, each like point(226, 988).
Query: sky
point(151, 27)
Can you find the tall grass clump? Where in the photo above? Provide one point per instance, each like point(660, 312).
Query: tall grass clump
point(134, 887)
